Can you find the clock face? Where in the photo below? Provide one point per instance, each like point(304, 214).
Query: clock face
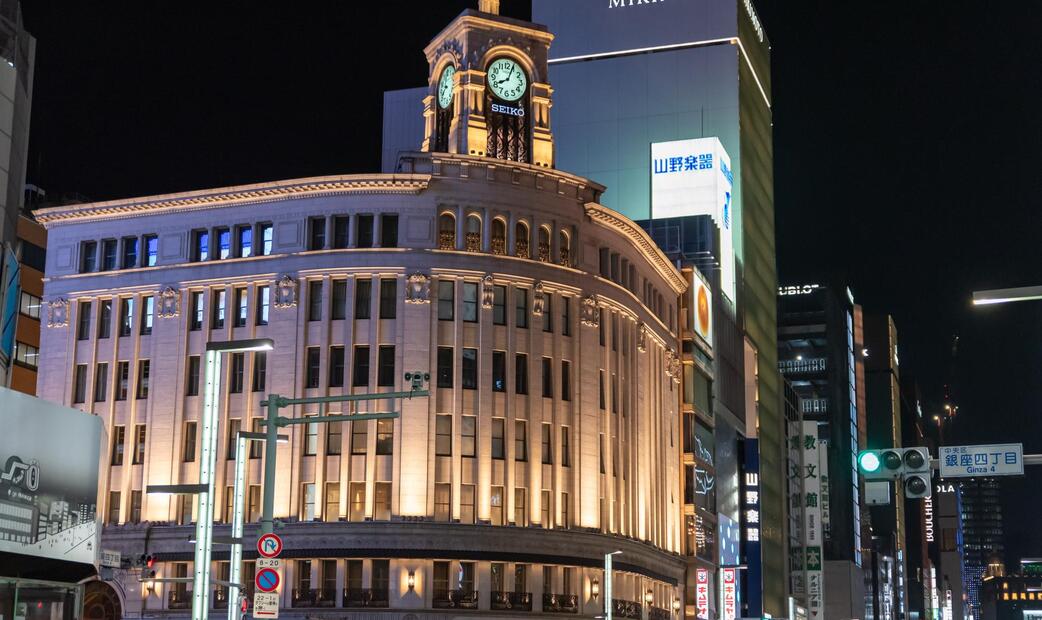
point(445, 86)
point(506, 79)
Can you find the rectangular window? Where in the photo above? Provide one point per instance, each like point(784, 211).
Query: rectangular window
point(224, 242)
point(88, 256)
point(521, 520)
point(151, 250)
point(260, 371)
point(192, 376)
point(113, 507)
point(118, 437)
point(80, 384)
point(108, 254)
point(548, 378)
point(466, 504)
point(499, 371)
point(359, 436)
point(602, 326)
point(338, 308)
point(101, 382)
point(566, 454)
point(548, 445)
point(83, 321)
point(566, 380)
point(185, 504)
point(122, 380)
point(521, 373)
point(520, 440)
point(544, 510)
point(242, 307)
point(360, 371)
point(470, 302)
point(357, 501)
point(469, 436)
point(139, 445)
point(336, 367)
point(256, 448)
point(334, 438)
point(601, 397)
point(126, 316)
point(317, 233)
point(363, 298)
point(148, 310)
point(566, 316)
point(198, 311)
point(253, 511)
point(615, 393)
point(446, 300)
point(442, 502)
point(388, 298)
point(219, 298)
point(384, 437)
point(332, 497)
point(311, 367)
point(497, 510)
point(389, 231)
point(521, 308)
point(307, 504)
point(385, 366)
point(445, 370)
point(470, 369)
point(315, 300)
point(499, 305)
point(237, 379)
point(234, 426)
point(600, 452)
point(129, 252)
point(244, 241)
point(200, 246)
point(143, 369)
point(263, 304)
point(443, 435)
point(266, 233)
point(188, 445)
point(365, 231)
point(498, 447)
point(26, 354)
point(135, 506)
point(310, 438)
point(548, 314)
point(341, 231)
point(382, 501)
point(105, 318)
point(565, 522)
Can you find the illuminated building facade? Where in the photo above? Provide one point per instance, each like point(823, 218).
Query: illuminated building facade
point(548, 322)
point(982, 533)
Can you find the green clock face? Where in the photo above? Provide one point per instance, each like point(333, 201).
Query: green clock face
point(445, 86)
point(506, 79)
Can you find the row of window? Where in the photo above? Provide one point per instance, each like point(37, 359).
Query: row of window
point(241, 241)
point(619, 270)
point(445, 372)
point(473, 241)
point(101, 381)
point(123, 253)
point(340, 226)
point(125, 326)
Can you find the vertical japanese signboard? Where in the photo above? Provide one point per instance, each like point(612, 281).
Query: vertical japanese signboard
point(753, 577)
point(729, 594)
point(702, 593)
point(812, 525)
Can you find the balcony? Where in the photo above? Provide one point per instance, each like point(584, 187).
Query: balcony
point(561, 603)
point(473, 242)
point(544, 252)
point(366, 597)
point(521, 248)
point(564, 258)
point(179, 599)
point(499, 246)
point(626, 609)
point(511, 601)
point(455, 599)
point(654, 613)
point(323, 597)
point(446, 240)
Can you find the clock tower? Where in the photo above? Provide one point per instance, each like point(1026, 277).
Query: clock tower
point(489, 92)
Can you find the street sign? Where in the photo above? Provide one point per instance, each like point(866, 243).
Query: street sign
point(1005, 459)
point(265, 605)
point(269, 545)
point(267, 580)
point(272, 563)
point(702, 594)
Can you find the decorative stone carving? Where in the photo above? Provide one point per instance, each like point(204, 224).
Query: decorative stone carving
point(642, 337)
point(672, 365)
point(538, 300)
point(58, 312)
point(286, 292)
point(169, 303)
point(418, 289)
point(488, 293)
point(590, 317)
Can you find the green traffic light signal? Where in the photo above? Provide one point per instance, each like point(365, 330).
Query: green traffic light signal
point(869, 462)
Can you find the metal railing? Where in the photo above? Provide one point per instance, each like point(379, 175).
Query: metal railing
point(366, 597)
point(473, 241)
point(318, 597)
point(521, 248)
point(179, 599)
point(455, 599)
point(561, 603)
point(626, 609)
point(446, 240)
point(544, 252)
point(498, 246)
point(220, 598)
point(654, 613)
point(516, 601)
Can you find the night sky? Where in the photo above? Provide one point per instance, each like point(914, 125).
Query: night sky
point(908, 151)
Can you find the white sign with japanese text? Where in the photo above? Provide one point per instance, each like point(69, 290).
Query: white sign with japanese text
point(730, 594)
point(1004, 459)
point(266, 605)
point(813, 453)
point(702, 593)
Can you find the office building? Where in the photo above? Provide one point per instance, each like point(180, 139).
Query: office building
point(548, 323)
point(981, 534)
point(32, 241)
point(1013, 597)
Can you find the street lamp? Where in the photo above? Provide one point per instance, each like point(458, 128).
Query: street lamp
point(1007, 295)
point(608, 604)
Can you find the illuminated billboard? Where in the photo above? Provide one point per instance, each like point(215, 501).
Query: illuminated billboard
point(694, 177)
point(700, 316)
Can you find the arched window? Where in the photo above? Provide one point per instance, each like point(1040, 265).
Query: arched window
point(447, 232)
point(521, 240)
point(564, 249)
point(499, 237)
point(473, 234)
point(544, 244)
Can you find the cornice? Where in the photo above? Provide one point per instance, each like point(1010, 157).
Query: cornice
point(474, 20)
point(293, 189)
point(636, 234)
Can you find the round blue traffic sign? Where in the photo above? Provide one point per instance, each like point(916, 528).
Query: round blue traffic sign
point(267, 580)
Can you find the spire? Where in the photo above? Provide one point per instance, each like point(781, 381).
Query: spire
point(489, 6)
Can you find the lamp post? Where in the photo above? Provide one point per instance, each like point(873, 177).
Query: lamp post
point(607, 583)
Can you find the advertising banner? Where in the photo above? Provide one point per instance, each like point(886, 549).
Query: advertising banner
point(702, 593)
point(753, 577)
point(700, 316)
point(729, 594)
point(49, 482)
point(9, 294)
point(812, 525)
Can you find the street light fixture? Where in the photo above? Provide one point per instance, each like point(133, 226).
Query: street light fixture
point(1007, 295)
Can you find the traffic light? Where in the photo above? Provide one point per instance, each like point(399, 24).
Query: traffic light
point(880, 464)
point(911, 465)
point(918, 473)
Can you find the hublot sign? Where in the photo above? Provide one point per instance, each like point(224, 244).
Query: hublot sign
point(618, 4)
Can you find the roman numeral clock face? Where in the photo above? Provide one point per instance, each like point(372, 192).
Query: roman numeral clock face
point(506, 79)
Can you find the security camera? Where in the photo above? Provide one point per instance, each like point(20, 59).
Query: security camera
point(417, 379)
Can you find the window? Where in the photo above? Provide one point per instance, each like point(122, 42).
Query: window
point(341, 231)
point(497, 517)
point(360, 372)
point(446, 232)
point(126, 316)
point(521, 308)
point(234, 426)
point(499, 305)
point(466, 503)
point(384, 437)
point(148, 309)
point(544, 511)
point(192, 376)
point(135, 506)
point(363, 298)
point(104, 318)
point(310, 438)
point(26, 354)
point(446, 300)
point(520, 440)
point(139, 445)
point(118, 437)
point(311, 367)
point(80, 384)
point(304, 575)
point(521, 520)
point(566, 456)
point(469, 435)
point(470, 302)
point(266, 233)
point(188, 446)
point(615, 393)
point(365, 231)
point(472, 235)
point(241, 307)
point(442, 502)
point(445, 367)
point(382, 501)
point(129, 252)
point(143, 369)
point(198, 309)
point(544, 244)
point(388, 298)
point(548, 313)
point(359, 436)
point(600, 391)
point(521, 240)
point(122, 380)
point(101, 382)
point(244, 241)
point(498, 447)
point(385, 366)
point(253, 510)
point(499, 371)
point(332, 497)
point(564, 246)
point(498, 245)
point(83, 322)
point(334, 438)
point(113, 507)
point(564, 511)
point(566, 316)
point(548, 445)
point(307, 508)
point(338, 309)
point(600, 451)
point(224, 242)
point(238, 370)
point(260, 371)
point(217, 319)
point(602, 326)
point(548, 378)
point(89, 256)
point(200, 245)
point(315, 300)
point(29, 305)
point(566, 380)
point(389, 231)
point(108, 254)
point(263, 304)
point(521, 373)
point(470, 369)
point(336, 367)
point(316, 233)
point(443, 435)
